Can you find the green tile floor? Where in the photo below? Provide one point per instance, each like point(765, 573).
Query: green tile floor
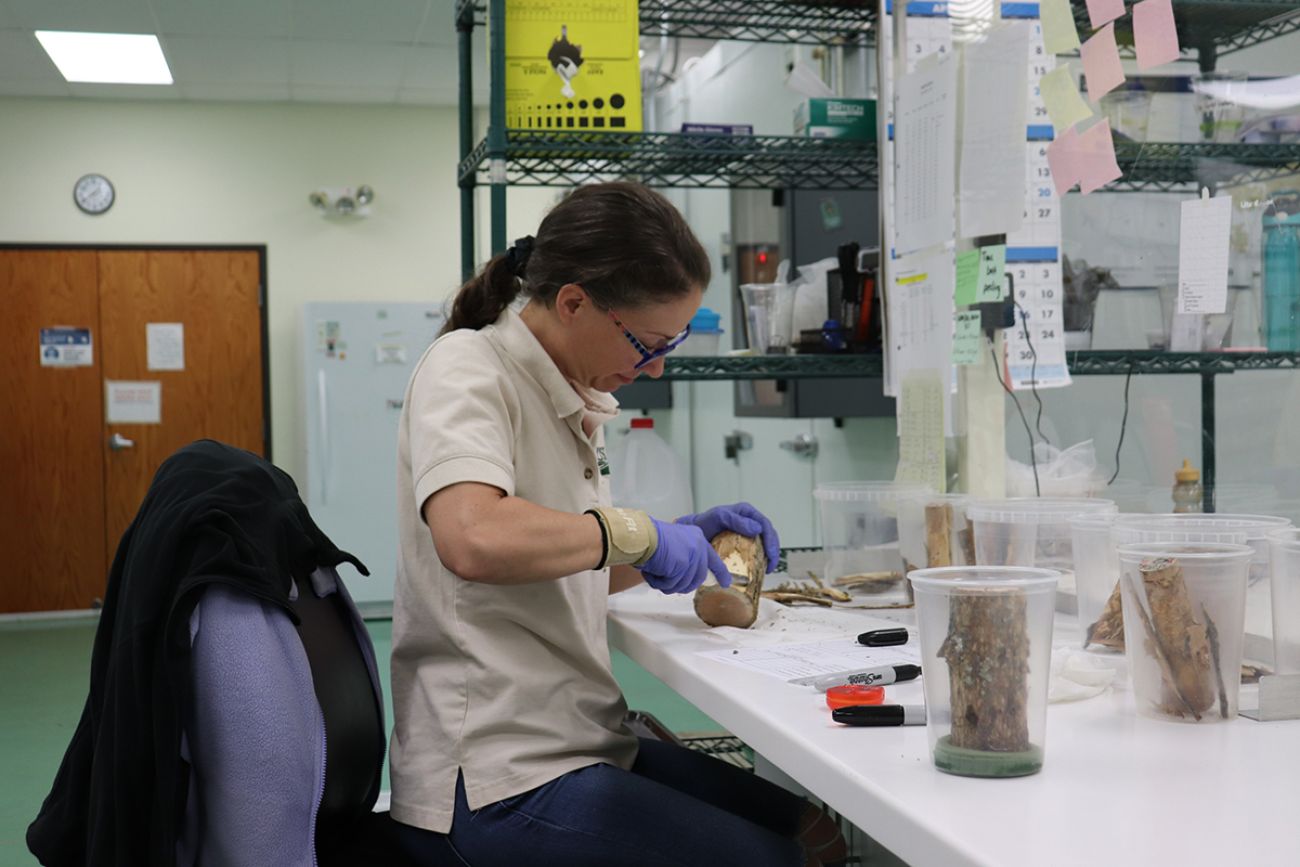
point(44, 670)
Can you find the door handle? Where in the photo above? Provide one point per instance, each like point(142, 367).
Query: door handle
point(804, 445)
point(117, 443)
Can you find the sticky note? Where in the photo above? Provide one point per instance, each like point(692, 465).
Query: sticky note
point(1062, 162)
point(966, 337)
point(1154, 33)
point(1059, 33)
point(1096, 157)
point(993, 279)
point(1062, 99)
point(1101, 63)
point(1103, 11)
point(968, 276)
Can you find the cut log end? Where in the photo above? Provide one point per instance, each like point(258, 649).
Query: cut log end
point(736, 605)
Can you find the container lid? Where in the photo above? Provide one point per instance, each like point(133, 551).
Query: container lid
point(706, 320)
point(1036, 510)
point(1191, 551)
point(643, 423)
point(849, 492)
point(1197, 527)
point(852, 694)
point(976, 579)
point(1187, 473)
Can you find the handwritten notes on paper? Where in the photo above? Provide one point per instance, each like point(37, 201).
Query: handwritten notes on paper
point(921, 449)
point(967, 339)
point(1203, 230)
point(1059, 32)
point(925, 162)
point(992, 166)
point(993, 279)
point(1101, 64)
point(968, 278)
point(1061, 96)
point(1102, 11)
point(1155, 35)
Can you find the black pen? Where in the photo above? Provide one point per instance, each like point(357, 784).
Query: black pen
point(880, 715)
point(882, 676)
point(884, 637)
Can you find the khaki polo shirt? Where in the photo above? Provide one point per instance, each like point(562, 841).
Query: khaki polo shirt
point(509, 685)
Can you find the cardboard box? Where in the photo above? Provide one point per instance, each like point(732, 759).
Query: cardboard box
point(573, 66)
point(833, 117)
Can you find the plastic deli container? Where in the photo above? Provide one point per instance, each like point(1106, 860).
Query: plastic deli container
point(1029, 531)
point(1184, 627)
point(986, 649)
point(933, 531)
point(1096, 581)
point(769, 316)
point(859, 534)
point(1285, 566)
point(1251, 530)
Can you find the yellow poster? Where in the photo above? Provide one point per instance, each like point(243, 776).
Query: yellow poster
point(573, 65)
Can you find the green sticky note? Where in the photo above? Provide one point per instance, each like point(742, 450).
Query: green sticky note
point(992, 280)
point(968, 276)
point(1061, 96)
point(966, 338)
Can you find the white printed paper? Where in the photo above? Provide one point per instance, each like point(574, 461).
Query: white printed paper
point(133, 402)
point(1036, 346)
point(925, 156)
point(921, 427)
point(992, 168)
point(920, 309)
point(1203, 255)
point(66, 347)
point(166, 345)
point(804, 663)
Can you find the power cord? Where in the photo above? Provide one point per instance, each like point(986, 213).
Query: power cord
point(1033, 461)
point(1033, 371)
point(1123, 425)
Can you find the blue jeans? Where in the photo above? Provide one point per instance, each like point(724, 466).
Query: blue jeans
point(675, 807)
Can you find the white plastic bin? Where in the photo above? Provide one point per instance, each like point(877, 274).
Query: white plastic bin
point(859, 532)
point(1029, 531)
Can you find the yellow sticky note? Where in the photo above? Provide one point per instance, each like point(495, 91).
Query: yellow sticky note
point(1059, 33)
point(1061, 96)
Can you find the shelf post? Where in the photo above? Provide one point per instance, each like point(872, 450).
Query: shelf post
point(496, 134)
point(465, 49)
point(1207, 439)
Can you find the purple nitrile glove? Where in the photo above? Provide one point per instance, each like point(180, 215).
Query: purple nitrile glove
point(683, 560)
point(740, 518)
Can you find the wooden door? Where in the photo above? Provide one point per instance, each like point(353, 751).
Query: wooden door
point(214, 296)
point(51, 462)
point(67, 492)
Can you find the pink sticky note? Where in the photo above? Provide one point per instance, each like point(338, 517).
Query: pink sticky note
point(1103, 11)
point(1154, 33)
point(1063, 162)
point(1095, 150)
point(1101, 63)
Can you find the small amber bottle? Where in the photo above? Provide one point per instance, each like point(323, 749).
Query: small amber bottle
point(1188, 493)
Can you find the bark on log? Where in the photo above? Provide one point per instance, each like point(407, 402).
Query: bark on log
point(1176, 635)
point(1108, 631)
point(736, 605)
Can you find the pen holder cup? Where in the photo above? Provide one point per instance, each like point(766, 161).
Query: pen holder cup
point(986, 648)
point(1184, 627)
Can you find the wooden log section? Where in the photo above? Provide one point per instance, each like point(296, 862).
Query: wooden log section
point(736, 605)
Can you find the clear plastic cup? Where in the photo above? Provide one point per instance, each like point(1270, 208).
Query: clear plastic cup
point(1184, 627)
point(1096, 575)
point(1233, 529)
point(859, 533)
point(986, 649)
point(921, 537)
point(1029, 531)
point(1285, 567)
point(769, 316)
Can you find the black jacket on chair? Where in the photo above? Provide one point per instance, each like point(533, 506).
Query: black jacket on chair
point(213, 514)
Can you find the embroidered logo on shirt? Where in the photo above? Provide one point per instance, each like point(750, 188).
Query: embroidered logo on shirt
point(602, 461)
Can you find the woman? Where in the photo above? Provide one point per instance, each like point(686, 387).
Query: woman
point(509, 745)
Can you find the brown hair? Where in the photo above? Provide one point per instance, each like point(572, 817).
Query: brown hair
point(625, 244)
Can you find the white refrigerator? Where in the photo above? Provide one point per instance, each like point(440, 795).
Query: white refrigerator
point(356, 360)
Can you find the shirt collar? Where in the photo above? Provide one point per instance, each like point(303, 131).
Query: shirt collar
point(517, 340)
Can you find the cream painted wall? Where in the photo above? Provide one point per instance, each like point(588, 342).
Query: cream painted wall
point(215, 173)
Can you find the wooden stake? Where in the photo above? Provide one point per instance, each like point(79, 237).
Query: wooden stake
point(938, 534)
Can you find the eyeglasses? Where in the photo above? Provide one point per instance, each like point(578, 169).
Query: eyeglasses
point(649, 355)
